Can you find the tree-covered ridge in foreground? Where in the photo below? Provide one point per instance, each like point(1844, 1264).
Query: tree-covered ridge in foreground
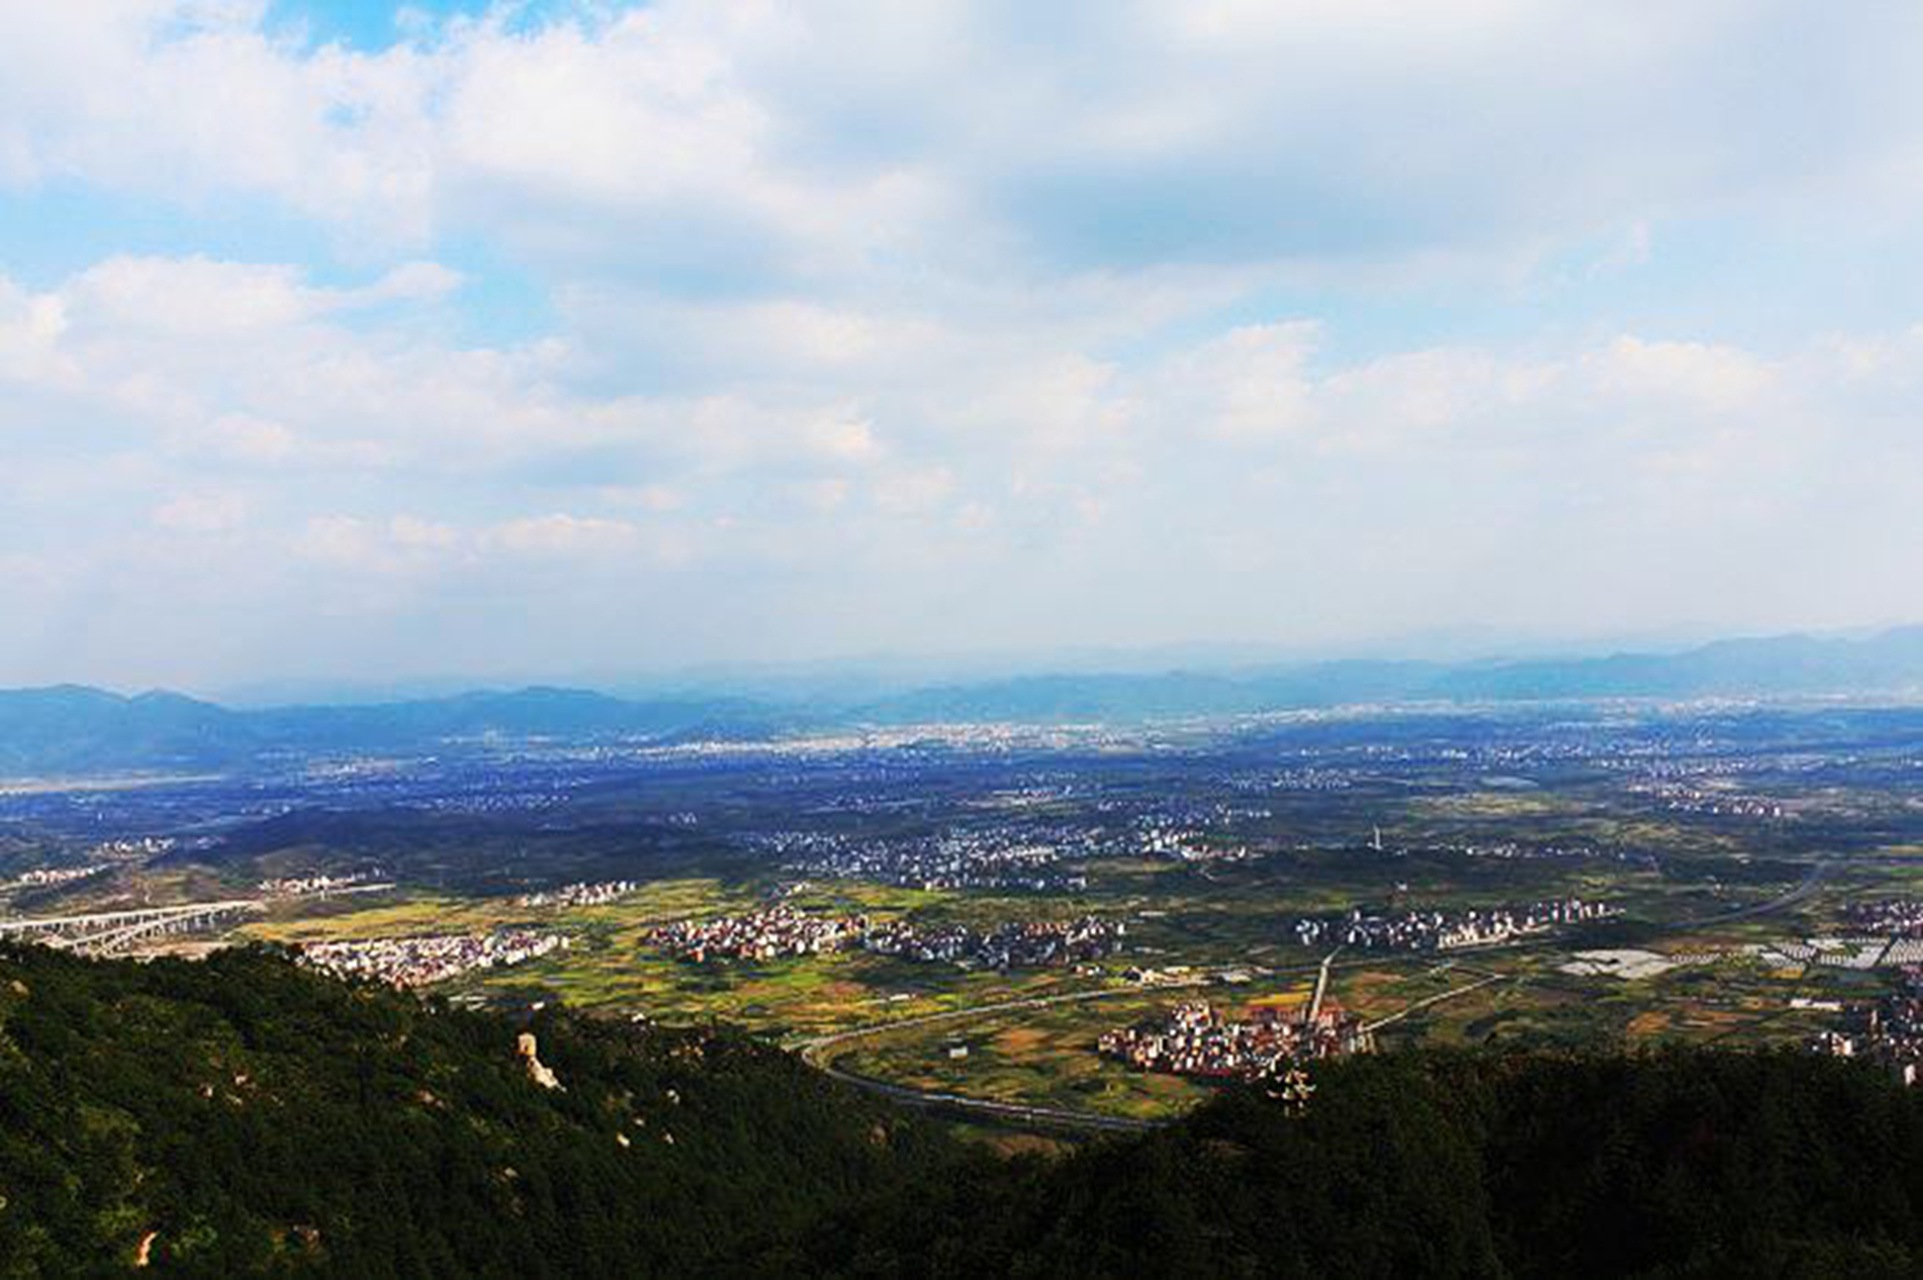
point(255, 1116)
point(243, 1115)
point(1683, 1163)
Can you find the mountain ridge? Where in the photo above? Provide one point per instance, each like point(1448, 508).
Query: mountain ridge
point(71, 728)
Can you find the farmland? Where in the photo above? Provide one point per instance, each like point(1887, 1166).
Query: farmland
point(1708, 844)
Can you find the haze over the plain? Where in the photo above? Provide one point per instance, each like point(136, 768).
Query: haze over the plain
point(364, 340)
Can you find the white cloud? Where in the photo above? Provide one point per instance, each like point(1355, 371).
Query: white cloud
point(773, 145)
point(913, 492)
point(202, 513)
point(347, 542)
point(1710, 377)
point(1123, 321)
point(841, 439)
point(194, 99)
point(30, 330)
point(1217, 471)
point(246, 439)
point(1248, 383)
point(561, 534)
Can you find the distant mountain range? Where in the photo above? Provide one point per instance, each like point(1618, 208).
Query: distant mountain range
point(1783, 666)
point(71, 729)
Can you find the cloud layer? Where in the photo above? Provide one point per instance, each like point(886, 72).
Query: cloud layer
point(608, 339)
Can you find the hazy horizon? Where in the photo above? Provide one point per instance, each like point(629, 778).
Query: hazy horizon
point(365, 344)
point(859, 677)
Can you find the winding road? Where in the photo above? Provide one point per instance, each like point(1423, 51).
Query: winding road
point(818, 1053)
point(821, 1053)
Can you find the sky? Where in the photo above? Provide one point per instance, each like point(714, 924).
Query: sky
point(343, 340)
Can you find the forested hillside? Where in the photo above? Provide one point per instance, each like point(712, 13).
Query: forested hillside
point(1689, 1163)
point(250, 1116)
point(243, 1116)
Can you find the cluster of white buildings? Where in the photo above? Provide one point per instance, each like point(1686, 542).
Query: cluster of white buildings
point(781, 930)
point(1022, 851)
point(1900, 916)
point(1889, 1032)
point(1311, 778)
point(1679, 797)
point(1030, 944)
point(422, 961)
point(580, 894)
point(761, 935)
point(1196, 1039)
point(136, 847)
point(993, 857)
point(305, 886)
point(1186, 836)
point(49, 877)
point(1515, 851)
point(1441, 930)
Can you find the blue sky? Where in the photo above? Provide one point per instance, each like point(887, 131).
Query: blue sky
point(352, 341)
point(369, 25)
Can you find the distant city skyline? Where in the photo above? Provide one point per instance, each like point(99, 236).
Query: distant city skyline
point(362, 342)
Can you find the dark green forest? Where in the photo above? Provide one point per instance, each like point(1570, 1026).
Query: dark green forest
point(243, 1116)
point(258, 1117)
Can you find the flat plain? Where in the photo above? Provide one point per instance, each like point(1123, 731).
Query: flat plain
point(1720, 841)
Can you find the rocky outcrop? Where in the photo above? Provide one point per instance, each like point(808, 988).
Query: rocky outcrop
point(530, 1055)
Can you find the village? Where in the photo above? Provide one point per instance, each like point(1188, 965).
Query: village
point(1900, 917)
point(53, 877)
point(304, 886)
point(1196, 1039)
point(580, 894)
point(1888, 1032)
point(1020, 945)
point(767, 934)
point(422, 961)
point(781, 930)
point(1443, 930)
point(996, 858)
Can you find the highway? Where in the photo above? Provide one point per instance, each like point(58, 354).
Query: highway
point(114, 919)
point(1804, 888)
point(105, 932)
